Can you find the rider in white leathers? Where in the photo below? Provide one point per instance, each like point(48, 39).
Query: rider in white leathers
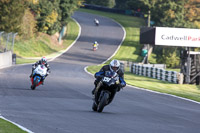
point(40, 62)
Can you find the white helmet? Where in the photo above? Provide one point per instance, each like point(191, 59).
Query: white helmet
point(114, 65)
point(95, 42)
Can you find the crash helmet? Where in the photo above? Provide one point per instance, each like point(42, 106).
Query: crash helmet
point(114, 65)
point(95, 42)
point(43, 60)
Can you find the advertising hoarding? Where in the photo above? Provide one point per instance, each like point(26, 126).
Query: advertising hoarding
point(177, 37)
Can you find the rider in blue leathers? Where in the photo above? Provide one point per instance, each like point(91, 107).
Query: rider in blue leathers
point(113, 66)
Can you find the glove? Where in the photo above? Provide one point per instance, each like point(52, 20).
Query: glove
point(123, 84)
point(33, 66)
point(118, 88)
point(95, 82)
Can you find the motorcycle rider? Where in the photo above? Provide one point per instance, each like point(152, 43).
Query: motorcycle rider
point(42, 61)
point(95, 44)
point(114, 66)
point(96, 21)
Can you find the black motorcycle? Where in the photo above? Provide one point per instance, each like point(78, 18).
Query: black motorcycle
point(102, 94)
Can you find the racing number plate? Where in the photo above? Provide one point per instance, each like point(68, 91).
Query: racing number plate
point(106, 79)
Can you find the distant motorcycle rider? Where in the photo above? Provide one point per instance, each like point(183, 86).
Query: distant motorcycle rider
point(114, 66)
point(96, 21)
point(42, 61)
point(95, 44)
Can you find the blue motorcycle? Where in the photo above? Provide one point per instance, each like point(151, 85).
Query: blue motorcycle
point(38, 75)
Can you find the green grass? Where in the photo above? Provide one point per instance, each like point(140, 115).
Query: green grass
point(130, 50)
point(171, 69)
point(7, 127)
point(187, 91)
point(23, 61)
point(43, 46)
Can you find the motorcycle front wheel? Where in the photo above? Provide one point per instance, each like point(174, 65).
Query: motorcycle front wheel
point(34, 84)
point(94, 107)
point(102, 102)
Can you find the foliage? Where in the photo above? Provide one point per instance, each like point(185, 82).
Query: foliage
point(51, 15)
point(67, 7)
point(121, 4)
point(134, 4)
point(170, 57)
point(192, 12)
point(169, 13)
point(28, 26)
point(11, 15)
point(47, 16)
point(106, 3)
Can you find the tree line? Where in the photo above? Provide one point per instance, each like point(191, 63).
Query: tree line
point(168, 13)
point(30, 16)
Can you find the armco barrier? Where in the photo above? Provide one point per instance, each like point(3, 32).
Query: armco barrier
point(157, 73)
point(5, 59)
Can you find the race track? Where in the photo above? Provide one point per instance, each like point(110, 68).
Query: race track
point(63, 104)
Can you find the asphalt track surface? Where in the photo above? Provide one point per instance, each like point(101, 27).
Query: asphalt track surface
point(63, 104)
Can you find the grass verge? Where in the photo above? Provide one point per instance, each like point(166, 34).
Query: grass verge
point(44, 45)
point(7, 127)
point(130, 50)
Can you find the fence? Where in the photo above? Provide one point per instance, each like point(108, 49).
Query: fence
point(157, 73)
point(7, 41)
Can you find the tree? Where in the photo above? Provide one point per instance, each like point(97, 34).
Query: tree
point(67, 8)
point(148, 5)
point(170, 57)
point(28, 26)
point(47, 16)
point(106, 3)
point(134, 5)
point(93, 2)
point(51, 15)
point(11, 15)
point(121, 4)
point(169, 13)
point(192, 11)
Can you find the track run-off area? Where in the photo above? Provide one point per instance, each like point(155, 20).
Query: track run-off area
point(64, 103)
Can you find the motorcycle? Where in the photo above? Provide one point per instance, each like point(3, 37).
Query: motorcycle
point(38, 74)
point(103, 90)
point(95, 48)
point(96, 22)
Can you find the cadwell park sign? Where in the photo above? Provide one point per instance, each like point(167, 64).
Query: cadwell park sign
point(182, 37)
point(177, 37)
